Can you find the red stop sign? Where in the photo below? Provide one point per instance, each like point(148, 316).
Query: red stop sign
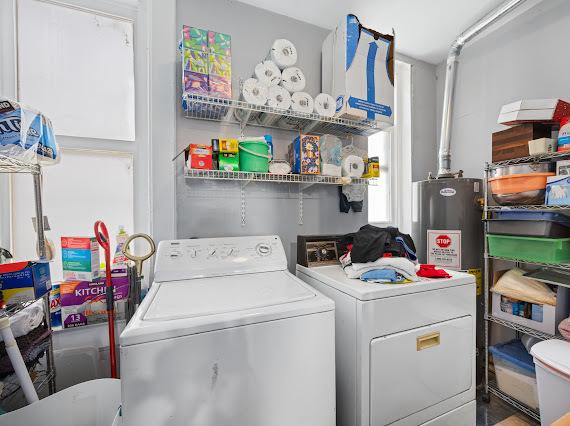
point(443, 241)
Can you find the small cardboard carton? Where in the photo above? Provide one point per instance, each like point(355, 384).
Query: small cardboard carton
point(80, 258)
point(24, 281)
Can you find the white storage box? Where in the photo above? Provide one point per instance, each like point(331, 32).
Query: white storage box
point(551, 315)
point(515, 372)
point(358, 70)
point(552, 361)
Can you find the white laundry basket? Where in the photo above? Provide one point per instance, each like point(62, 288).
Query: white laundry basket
point(552, 361)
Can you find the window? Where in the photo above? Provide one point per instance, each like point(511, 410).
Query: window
point(82, 77)
point(389, 201)
point(77, 68)
point(84, 187)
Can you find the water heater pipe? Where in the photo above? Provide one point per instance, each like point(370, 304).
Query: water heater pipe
point(444, 158)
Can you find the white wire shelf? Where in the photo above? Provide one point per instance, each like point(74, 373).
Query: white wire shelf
point(523, 329)
point(559, 266)
point(12, 165)
point(530, 159)
point(494, 389)
point(527, 207)
point(234, 111)
point(271, 177)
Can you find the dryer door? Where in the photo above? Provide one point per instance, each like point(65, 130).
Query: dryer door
point(415, 369)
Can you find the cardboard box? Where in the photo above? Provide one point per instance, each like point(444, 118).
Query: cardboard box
point(558, 190)
point(24, 281)
point(80, 258)
point(200, 156)
point(84, 302)
point(513, 143)
point(547, 317)
point(358, 71)
point(304, 155)
point(533, 110)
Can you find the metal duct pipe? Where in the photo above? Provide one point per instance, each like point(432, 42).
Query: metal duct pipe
point(444, 158)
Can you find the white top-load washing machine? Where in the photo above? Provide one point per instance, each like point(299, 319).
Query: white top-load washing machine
point(227, 336)
point(405, 353)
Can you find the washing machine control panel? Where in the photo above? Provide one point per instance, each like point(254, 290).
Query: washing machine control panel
point(206, 257)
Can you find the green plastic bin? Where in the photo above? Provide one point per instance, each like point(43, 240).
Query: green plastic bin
point(531, 249)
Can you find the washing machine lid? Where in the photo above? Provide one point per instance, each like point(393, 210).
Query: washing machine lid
point(335, 277)
point(177, 308)
point(554, 354)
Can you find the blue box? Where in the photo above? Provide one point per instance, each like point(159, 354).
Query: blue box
point(558, 190)
point(24, 281)
point(305, 155)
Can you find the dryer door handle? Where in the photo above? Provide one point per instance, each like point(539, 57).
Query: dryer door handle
point(427, 341)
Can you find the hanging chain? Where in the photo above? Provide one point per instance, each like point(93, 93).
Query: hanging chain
point(242, 205)
point(300, 206)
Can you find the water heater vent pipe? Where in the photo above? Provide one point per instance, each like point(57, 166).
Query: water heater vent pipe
point(444, 157)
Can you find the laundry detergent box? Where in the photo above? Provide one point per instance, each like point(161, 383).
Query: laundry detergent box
point(200, 156)
point(84, 302)
point(358, 71)
point(24, 281)
point(304, 155)
point(558, 190)
point(80, 258)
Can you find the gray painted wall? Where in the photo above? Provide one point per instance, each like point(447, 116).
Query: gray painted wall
point(209, 209)
point(525, 58)
point(206, 209)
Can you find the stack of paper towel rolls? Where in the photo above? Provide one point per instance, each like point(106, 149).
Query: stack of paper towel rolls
point(284, 83)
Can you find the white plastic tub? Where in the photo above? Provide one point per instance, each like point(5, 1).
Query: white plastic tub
point(552, 362)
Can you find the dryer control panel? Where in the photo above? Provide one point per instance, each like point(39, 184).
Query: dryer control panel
point(210, 257)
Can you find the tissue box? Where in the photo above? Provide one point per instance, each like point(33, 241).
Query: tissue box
point(331, 155)
point(220, 66)
point(558, 190)
point(195, 83)
point(195, 61)
point(542, 146)
point(84, 302)
point(358, 70)
point(194, 38)
point(304, 155)
point(24, 281)
point(220, 87)
point(219, 44)
point(200, 157)
point(80, 258)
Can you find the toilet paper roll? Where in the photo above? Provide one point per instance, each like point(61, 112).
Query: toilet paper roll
point(283, 53)
point(267, 73)
point(325, 105)
point(278, 97)
point(302, 102)
point(293, 79)
point(254, 92)
point(352, 166)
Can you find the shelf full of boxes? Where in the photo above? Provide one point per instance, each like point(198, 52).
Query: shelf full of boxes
point(527, 224)
point(275, 98)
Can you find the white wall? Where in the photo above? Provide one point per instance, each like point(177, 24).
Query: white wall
point(526, 58)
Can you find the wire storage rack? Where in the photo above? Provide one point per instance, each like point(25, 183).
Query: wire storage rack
point(43, 371)
point(490, 383)
point(232, 111)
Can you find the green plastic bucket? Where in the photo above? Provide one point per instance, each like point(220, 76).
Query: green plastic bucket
point(254, 155)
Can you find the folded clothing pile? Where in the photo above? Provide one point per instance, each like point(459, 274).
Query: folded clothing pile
point(381, 255)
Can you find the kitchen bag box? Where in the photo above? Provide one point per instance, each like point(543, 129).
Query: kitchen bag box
point(80, 258)
point(84, 302)
point(24, 281)
point(358, 70)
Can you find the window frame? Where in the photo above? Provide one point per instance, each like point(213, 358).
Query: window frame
point(400, 152)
